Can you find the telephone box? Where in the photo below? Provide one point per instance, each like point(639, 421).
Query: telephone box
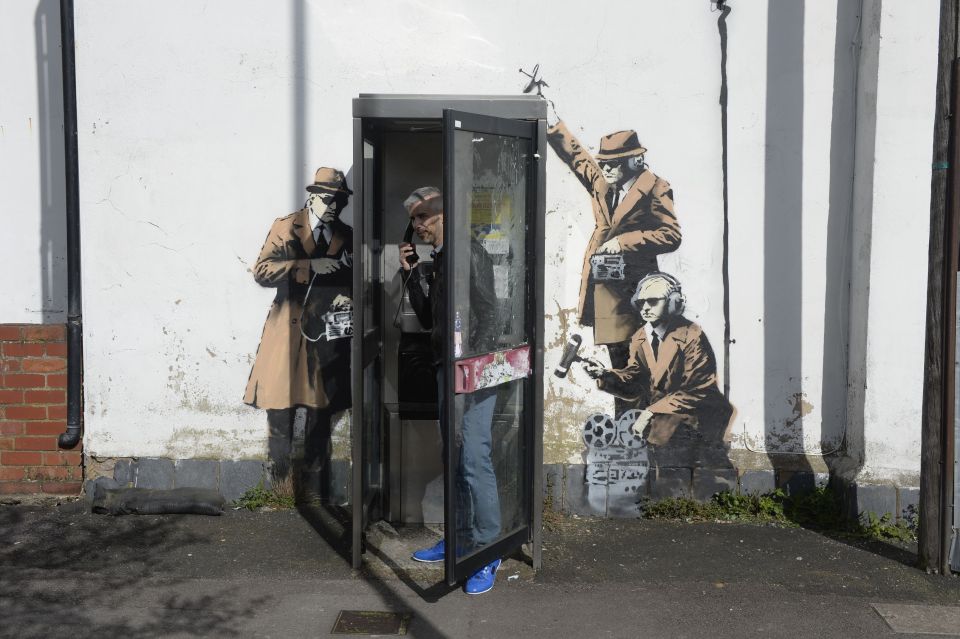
point(488, 156)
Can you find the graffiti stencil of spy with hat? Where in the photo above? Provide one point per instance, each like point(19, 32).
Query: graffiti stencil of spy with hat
point(634, 223)
point(301, 374)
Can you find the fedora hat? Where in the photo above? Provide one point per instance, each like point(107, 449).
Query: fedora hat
point(329, 180)
point(622, 144)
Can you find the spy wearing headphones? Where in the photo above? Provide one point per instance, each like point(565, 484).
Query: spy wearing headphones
point(671, 375)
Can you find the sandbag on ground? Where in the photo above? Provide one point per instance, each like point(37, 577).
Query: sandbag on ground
point(148, 501)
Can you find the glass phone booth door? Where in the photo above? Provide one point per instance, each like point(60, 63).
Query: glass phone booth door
point(488, 408)
point(490, 398)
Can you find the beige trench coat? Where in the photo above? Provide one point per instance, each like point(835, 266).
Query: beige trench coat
point(679, 385)
point(643, 222)
point(287, 371)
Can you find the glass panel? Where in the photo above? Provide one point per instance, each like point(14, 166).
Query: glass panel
point(489, 481)
point(370, 258)
point(490, 245)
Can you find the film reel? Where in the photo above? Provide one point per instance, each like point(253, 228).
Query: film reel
point(599, 431)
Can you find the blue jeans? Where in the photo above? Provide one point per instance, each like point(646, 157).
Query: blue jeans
point(478, 501)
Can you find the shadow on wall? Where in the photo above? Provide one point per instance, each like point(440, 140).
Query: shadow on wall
point(53, 225)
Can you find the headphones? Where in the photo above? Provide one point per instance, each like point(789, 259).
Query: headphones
point(675, 299)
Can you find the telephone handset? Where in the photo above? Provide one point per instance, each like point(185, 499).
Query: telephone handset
point(413, 258)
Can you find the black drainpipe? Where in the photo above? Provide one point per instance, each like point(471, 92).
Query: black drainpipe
point(71, 438)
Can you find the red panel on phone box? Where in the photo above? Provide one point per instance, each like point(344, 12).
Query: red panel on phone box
point(491, 369)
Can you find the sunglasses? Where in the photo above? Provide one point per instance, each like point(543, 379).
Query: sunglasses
point(652, 301)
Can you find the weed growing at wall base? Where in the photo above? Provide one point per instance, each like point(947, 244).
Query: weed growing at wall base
point(820, 510)
point(260, 497)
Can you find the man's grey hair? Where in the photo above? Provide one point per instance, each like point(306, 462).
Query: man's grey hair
point(429, 196)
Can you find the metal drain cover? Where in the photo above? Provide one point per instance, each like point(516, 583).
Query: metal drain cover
point(371, 622)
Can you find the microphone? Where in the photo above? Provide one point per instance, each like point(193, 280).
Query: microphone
point(569, 356)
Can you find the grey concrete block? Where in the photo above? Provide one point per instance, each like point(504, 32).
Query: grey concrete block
point(796, 483)
point(876, 499)
point(125, 471)
point(670, 482)
point(106, 483)
point(581, 498)
point(553, 485)
point(707, 482)
point(237, 477)
point(154, 472)
point(623, 502)
point(909, 503)
point(196, 473)
point(757, 482)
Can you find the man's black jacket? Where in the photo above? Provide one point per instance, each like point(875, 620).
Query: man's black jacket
point(429, 300)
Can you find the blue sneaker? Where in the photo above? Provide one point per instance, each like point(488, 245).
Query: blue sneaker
point(430, 555)
point(483, 579)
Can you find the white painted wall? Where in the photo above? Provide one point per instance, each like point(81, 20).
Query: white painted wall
point(201, 122)
point(33, 289)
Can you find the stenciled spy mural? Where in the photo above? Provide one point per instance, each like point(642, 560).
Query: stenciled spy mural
point(301, 375)
point(634, 223)
point(669, 410)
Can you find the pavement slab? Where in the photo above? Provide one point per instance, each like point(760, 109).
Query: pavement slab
point(65, 572)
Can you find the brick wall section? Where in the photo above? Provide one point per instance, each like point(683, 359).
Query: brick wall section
point(33, 412)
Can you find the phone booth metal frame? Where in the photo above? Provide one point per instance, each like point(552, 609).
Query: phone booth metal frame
point(369, 478)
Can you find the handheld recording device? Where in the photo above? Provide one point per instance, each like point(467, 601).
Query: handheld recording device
point(408, 239)
point(570, 355)
point(607, 267)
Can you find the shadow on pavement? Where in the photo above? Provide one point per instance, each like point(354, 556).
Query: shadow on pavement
point(66, 572)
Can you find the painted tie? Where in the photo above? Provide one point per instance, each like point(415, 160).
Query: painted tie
point(655, 344)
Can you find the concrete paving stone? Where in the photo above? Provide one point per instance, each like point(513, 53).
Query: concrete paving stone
point(909, 502)
point(125, 471)
point(920, 619)
point(670, 482)
point(876, 498)
point(580, 498)
point(239, 476)
point(709, 481)
point(757, 482)
point(154, 472)
point(196, 473)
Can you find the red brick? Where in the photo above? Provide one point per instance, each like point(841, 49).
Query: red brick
point(36, 443)
point(12, 473)
point(23, 381)
point(11, 428)
point(62, 487)
point(57, 349)
point(44, 428)
point(15, 349)
point(26, 412)
point(53, 472)
point(63, 458)
point(11, 458)
point(56, 381)
point(58, 412)
point(10, 365)
point(11, 397)
point(19, 487)
point(44, 397)
point(45, 365)
point(45, 333)
point(6, 443)
point(10, 333)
